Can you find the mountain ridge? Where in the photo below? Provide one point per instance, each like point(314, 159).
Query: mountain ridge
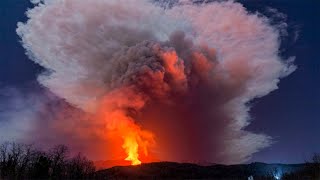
point(174, 170)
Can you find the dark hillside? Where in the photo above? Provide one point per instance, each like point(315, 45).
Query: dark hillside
point(170, 170)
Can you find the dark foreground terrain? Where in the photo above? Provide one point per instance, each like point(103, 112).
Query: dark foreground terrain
point(170, 170)
point(20, 161)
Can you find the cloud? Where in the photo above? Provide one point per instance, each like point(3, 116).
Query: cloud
point(181, 76)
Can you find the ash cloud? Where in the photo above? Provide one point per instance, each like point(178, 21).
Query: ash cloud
point(185, 73)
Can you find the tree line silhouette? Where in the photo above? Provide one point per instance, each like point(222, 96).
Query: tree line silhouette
point(310, 171)
point(21, 161)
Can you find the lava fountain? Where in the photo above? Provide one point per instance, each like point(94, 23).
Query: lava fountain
point(116, 113)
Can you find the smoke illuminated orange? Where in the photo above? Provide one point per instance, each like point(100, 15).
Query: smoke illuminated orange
point(120, 126)
point(135, 140)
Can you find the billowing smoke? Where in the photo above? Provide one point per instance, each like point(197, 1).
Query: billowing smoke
point(172, 83)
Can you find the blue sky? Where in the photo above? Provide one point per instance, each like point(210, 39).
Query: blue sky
point(290, 114)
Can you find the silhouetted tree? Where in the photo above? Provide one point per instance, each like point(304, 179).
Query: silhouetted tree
point(40, 165)
point(316, 158)
point(20, 161)
point(80, 167)
point(14, 159)
point(310, 171)
point(58, 156)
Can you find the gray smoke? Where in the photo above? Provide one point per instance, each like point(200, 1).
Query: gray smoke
point(185, 73)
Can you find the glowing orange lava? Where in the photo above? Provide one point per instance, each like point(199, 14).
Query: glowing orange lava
point(131, 147)
point(135, 141)
point(126, 139)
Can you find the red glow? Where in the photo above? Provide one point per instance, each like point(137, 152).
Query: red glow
point(126, 139)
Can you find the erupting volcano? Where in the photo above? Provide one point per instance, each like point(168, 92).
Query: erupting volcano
point(143, 81)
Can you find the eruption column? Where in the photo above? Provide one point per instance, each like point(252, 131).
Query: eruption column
point(185, 73)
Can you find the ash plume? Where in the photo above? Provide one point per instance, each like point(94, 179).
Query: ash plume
point(173, 82)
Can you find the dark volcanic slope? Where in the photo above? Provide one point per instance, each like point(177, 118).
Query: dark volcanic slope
point(169, 170)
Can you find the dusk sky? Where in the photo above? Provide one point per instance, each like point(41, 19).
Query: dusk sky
point(289, 114)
